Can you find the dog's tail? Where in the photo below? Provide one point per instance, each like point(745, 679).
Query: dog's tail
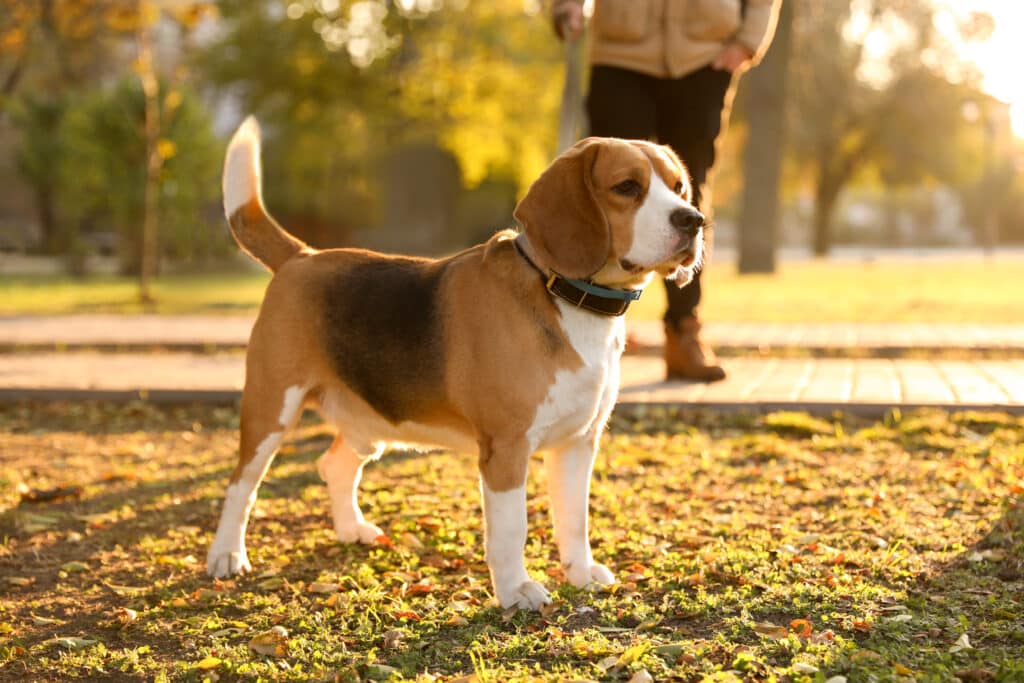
point(253, 228)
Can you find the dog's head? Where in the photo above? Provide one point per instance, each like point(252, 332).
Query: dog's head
point(616, 212)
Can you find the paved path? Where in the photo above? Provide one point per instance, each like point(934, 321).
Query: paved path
point(819, 385)
point(205, 332)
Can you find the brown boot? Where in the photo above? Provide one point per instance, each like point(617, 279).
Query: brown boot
point(686, 357)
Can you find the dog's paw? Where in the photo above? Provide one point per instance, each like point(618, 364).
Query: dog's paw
point(581, 575)
point(361, 532)
point(220, 564)
point(527, 595)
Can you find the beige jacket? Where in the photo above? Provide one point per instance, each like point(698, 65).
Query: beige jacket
point(671, 38)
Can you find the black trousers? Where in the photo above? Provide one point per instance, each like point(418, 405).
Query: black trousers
point(683, 113)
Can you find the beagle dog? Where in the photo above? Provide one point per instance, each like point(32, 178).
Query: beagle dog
point(508, 348)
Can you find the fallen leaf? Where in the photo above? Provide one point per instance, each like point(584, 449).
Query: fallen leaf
point(901, 670)
point(270, 643)
point(801, 627)
point(126, 615)
point(127, 590)
point(209, 663)
point(19, 580)
point(323, 587)
point(75, 566)
point(72, 643)
point(406, 614)
point(393, 639)
point(421, 588)
point(641, 676)
point(549, 609)
point(412, 541)
point(45, 621)
point(975, 675)
point(51, 495)
point(803, 668)
point(272, 584)
point(670, 649)
point(772, 631)
point(962, 643)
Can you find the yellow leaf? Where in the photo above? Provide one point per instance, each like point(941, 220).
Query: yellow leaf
point(75, 566)
point(166, 148)
point(209, 663)
point(171, 102)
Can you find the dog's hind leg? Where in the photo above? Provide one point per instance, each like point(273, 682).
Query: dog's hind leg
point(341, 468)
point(266, 415)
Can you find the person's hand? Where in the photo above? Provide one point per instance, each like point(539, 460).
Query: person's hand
point(734, 57)
point(569, 21)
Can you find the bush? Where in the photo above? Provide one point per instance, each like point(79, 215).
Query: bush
point(103, 172)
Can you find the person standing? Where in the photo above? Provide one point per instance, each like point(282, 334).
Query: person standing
point(665, 70)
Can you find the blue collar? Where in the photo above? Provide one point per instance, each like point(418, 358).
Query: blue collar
point(582, 293)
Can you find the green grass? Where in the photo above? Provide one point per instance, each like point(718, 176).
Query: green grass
point(783, 548)
point(238, 292)
point(974, 291)
point(887, 291)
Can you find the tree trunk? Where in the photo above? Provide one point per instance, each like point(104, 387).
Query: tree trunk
point(51, 240)
point(762, 169)
point(154, 162)
point(825, 198)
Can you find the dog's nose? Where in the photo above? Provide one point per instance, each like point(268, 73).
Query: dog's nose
point(687, 220)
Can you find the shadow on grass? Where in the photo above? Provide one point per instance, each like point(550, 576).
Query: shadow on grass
point(693, 572)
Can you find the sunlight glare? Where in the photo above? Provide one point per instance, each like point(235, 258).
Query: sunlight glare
point(997, 58)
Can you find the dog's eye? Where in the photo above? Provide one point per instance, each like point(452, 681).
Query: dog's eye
point(679, 187)
point(627, 188)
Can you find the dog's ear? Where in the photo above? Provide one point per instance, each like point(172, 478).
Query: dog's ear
point(561, 216)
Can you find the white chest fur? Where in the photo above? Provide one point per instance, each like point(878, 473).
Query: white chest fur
point(580, 399)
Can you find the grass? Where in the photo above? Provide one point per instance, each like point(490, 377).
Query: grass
point(230, 292)
point(946, 291)
point(885, 291)
point(781, 547)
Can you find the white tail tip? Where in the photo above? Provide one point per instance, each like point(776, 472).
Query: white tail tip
point(242, 167)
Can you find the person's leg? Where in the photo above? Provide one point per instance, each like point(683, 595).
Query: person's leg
point(691, 112)
point(621, 103)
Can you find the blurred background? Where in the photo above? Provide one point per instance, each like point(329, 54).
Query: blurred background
point(872, 128)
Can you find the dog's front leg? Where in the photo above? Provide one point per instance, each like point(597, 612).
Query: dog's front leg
point(503, 485)
point(569, 471)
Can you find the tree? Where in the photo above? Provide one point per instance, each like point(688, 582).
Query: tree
point(103, 178)
point(766, 94)
point(853, 106)
point(479, 79)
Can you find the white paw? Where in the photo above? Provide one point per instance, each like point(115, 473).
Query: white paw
point(527, 595)
point(363, 532)
point(585, 574)
point(221, 563)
